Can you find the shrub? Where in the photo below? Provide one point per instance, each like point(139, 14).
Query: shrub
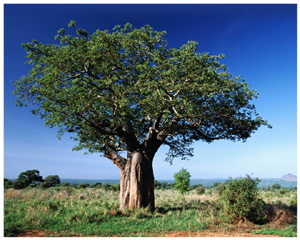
point(239, 201)
point(283, 191)
point(65, 184)
point(32, 185)
point(83, 185)
point(52, 180)
point(276, 186)
point(157, 184)
point(200, 190)
point(97, 185)
point(220, 187)
point(115, 187)
point(216, 184)
point(106, 186)
point(294, 201)
point(8, 183)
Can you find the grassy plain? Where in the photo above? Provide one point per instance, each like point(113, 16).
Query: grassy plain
point(67, 211)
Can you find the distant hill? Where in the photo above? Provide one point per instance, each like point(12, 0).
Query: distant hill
point(289, 178)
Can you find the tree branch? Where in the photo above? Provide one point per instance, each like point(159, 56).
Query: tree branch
point(115, 158)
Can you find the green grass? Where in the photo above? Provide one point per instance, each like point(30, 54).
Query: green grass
point(95, 212)
point(91, 212)
point(291, 231)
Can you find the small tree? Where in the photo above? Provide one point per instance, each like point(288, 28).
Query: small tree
point(182, 180)
point(26, 178)
point(50, 181)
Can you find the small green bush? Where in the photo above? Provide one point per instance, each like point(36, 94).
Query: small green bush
point(8, 183)
point(294, 201)
point(115, 187)
point(200, 190)
point(220, 187)
point(65, 184)
point(83, 185)
point(97, 185)
point(106, 186)
point(240, 201)
point(276, 186)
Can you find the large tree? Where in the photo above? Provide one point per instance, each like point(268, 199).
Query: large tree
point(125, 90)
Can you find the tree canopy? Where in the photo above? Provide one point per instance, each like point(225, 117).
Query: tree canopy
point(28, 177)
point(118, 90)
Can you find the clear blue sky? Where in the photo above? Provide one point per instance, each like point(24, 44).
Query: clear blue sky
point(259, 42)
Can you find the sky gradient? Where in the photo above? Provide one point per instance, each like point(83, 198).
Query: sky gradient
point(259, 42)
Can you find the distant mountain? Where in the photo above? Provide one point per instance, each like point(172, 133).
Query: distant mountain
point(289, 178)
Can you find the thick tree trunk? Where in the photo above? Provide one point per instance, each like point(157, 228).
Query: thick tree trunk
point(137, 182)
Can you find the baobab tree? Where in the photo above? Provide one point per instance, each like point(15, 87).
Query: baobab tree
point(125, 90)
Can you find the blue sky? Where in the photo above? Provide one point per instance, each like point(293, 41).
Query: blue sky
point(259, 42)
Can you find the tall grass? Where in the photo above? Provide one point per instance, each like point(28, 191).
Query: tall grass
point(95, 212)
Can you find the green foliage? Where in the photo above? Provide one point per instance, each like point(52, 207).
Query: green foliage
point(182, 180)
point(65, 184)
point(33, 185)
point(294, 201)
point(219, 188)
point(276, 186)
point(83, 185)
point(216, 184)
point(106, 186)
point(8, 183)
point(97, 185)
point(115, 187)
point(26, 178)
point(11, 228)
point(200, 190)
point(106, 85)
point(51, 181)
point(163, 185)
point(291, 231)
point(240, 200)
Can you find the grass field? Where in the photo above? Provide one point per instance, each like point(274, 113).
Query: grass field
point(67, 211)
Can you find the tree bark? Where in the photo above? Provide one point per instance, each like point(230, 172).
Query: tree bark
point(137, 182)
point(136, 172)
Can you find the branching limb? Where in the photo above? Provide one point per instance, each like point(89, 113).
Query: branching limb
point(115, 158)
